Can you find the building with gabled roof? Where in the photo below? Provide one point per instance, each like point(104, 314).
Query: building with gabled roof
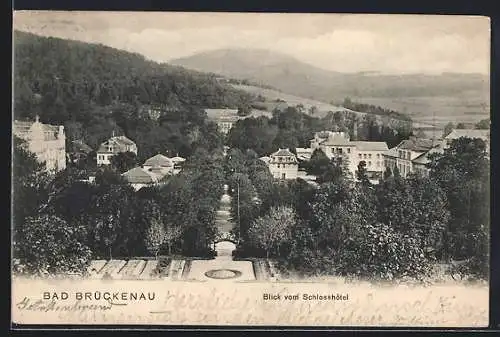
point(159, 164)
point(283, 164)
point(47, 142)
point(138, 178)
point(338, 146)
point(113, 146)
point(403, 155)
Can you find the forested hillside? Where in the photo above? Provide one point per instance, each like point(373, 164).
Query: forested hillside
point(93, 89)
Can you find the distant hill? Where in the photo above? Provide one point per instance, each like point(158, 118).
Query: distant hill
point(70, 75)
point(295, 77)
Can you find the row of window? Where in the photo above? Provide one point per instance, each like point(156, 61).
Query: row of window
point(339, 150)
point(369, 155)
point(404, 154)
point(284, 165)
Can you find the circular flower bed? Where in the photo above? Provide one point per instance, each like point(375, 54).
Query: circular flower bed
point(223, 274)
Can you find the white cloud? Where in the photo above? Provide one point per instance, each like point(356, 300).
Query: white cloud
point(349, 43)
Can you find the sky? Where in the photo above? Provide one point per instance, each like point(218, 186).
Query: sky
point(392, 44)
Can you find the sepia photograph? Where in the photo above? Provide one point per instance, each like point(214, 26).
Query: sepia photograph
point(250, 169)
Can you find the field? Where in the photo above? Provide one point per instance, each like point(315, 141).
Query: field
point(272, 95)
point(425, 111)
point(441, 109)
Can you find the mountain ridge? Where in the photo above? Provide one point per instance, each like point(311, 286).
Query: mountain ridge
point(289, 74)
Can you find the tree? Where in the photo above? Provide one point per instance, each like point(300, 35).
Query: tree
point(361, 173)
point(155, 237)
point(29, 185)
point(51, 245)
point(483, 124)
point(462, 171)
point(448, 128)
point(461, 126)
point(172, 233)
point(272, 230)
point(124, 161)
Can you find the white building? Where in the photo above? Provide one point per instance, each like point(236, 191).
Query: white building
point(47, 142)
point(225, 118)
point(338, 146)
point(283, 164)
point(405, 153)
point(420, 163)
point(113, 146)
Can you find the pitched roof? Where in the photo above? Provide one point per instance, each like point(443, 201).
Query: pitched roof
point(470, 133)
point(416, 144)
point(222, 114)
point(265, 159)
point(119, 141)
point(137, 175)
point(159, 160)
point(337, 138)
point(392, 152)
point(177, 159)
point(123, 140)
point(80, 146)
point(424, 157)
point(283, 153)
point(23, 128)
point(370, 146)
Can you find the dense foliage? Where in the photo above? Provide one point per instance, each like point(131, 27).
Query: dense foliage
point(373, 109)
point(94, 90)
point(291, 128)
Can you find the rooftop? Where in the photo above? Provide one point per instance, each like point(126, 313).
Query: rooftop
point(416, 144)
point(22, 128)
point(137, 175)
point(470, 133)
point(283, 153)
point(120, 141)
point(159, 160)
point(370, 146)
point(337, 138)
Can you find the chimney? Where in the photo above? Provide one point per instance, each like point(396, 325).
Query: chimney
point(37, 119)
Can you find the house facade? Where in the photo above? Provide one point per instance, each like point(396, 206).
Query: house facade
point(113, 146)
point(47, 142)
point(338, 146)
point(283, 165)
point(405, 153)
point(224, 118)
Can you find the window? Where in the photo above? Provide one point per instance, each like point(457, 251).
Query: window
point(409, 155)
point(369, 163)
point(378, 155)
point(401, 154)
point(348, 150)
point(340, 150)
point(360, 156)
point(283, 176)
point(370, 156)
point(364, 155)
point(279, 165)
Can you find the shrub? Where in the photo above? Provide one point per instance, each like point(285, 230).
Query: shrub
point(380, 251)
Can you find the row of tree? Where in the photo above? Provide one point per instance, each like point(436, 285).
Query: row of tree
point(399, 227)
point(62, 222)
point(291, 128)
